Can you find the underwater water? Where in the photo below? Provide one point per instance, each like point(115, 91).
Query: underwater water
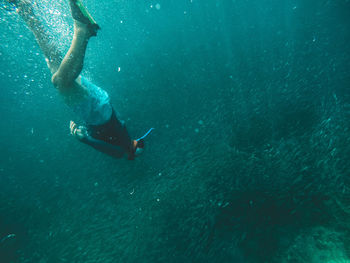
point(249, 160)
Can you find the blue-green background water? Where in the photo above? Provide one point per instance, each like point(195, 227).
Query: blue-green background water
point(249, 161)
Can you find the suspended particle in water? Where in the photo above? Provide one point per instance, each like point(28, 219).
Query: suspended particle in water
point(200, 122)
point(118, 69)
point(226, 204)
point(7, 237)
point(196, 130)
point(157, 6)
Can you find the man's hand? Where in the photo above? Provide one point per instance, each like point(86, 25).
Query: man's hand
point(79, 132)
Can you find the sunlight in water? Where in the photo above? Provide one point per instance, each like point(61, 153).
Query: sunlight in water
point(248, 161)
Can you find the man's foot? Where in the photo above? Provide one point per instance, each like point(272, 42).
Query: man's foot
point(11, 5)
point(22, 7)
point(79, 132)
point(13, 2)
point(18, 3)
point(81, 14)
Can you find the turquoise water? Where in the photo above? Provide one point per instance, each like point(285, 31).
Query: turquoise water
point(249, 160)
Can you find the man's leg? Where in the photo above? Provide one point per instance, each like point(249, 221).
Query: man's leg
point(44, 39)
point(73, 61)
point(67, 70)
point(72, 64)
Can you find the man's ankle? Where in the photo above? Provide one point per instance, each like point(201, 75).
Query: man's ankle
point(81, 29)
point(24, 7)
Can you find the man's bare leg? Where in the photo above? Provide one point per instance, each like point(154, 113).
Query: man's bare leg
point(45, 40)
point(67, 70)
point(73, 61)
point(72, 64)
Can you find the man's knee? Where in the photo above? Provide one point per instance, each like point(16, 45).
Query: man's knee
point(55, 80)
point(60, 81)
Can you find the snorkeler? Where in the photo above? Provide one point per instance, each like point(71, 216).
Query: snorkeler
point(103, 130)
